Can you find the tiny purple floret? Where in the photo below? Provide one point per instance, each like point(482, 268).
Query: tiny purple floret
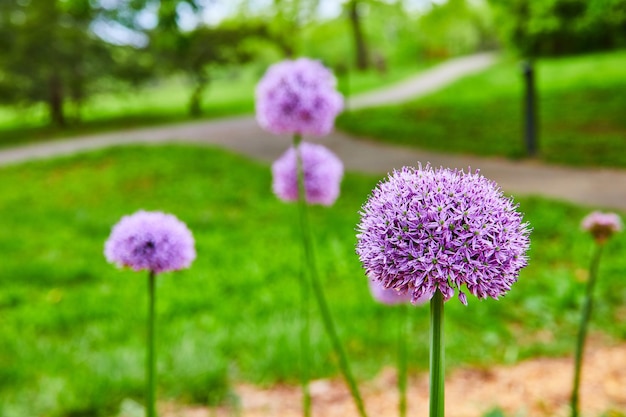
point(298, 97)
point(152, 241)
point(602, 225)
point(322, 169)
point(424, 229)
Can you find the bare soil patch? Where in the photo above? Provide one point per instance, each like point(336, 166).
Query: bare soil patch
point(537, 388)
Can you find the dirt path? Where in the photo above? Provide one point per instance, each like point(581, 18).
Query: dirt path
point(423, 83)
point(534, 388)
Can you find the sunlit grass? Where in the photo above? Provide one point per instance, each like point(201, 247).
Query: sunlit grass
point(73, 326)
point(580, 113)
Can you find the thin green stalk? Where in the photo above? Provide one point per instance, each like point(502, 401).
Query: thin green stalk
point(305, 312)
point(402, 358)
point(318, 290)
point(305, 342)
point(150, 357)
point(437, 355)
point(584, 324)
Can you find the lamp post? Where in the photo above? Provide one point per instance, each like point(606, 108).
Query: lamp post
point(530, 109)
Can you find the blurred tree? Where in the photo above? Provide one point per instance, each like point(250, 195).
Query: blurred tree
point(557, 27)
point(195, 51)
point(285, 20)
point(361, 56)
point(48, 53)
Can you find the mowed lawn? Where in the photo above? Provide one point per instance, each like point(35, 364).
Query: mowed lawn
point(580, 110)
point(72, 338)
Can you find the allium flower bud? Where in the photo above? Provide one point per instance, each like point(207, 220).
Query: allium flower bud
point(298, 97)
point(322, 169)
point(152, 241)
point(602, 225)
point(424, 229)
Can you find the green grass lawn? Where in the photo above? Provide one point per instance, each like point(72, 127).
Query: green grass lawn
point(72, 325)
point(580, 109)
point(231, 93)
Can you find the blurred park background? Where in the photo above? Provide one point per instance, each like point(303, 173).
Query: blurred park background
point(72, 327)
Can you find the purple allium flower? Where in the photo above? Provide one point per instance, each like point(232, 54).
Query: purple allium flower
point(602, 225)
point(298, 97)
point(424, 229)
point(323, 172)
point(153, 241)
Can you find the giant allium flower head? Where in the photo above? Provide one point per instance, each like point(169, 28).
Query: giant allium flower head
point(601, 225)
point(298, 97)
point(322, 170)
point(151, 241)
point(425, 229)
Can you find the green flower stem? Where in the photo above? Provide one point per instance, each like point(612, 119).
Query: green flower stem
point(402, 357)
point(305, 343)
point(584, 323)
point(437, 354)
point(339, 351)
point(150, 357)
point(318, 290)
point(305, 312)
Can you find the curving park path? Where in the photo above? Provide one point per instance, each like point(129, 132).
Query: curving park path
point(595, 187)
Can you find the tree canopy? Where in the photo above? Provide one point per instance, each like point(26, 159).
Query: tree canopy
point(559, 27)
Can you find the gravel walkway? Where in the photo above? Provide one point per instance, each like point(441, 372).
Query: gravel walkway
point(587, 186)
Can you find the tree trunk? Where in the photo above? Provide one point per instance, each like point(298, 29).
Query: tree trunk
point(55, 100)
point(195, 101)
point(361, 57)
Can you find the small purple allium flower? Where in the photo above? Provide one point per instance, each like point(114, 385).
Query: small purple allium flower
point(322, 169)
point(298, 97)
point(152, 241)
point(602, 225)
point(424, 229)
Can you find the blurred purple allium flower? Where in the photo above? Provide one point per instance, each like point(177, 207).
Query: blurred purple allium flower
point(602, 225)
point(322, 169)
point(390, 296)
point(152, 241)
point(424, 229)
point(298, 97)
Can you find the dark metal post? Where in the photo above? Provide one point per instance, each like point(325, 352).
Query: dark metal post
point(530, 109)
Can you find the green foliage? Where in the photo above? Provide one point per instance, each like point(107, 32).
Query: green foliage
point(557, 27)
point(48, 53)
point(199, 52)
point(455, 27)
point(73, 326)
point(580, 113)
